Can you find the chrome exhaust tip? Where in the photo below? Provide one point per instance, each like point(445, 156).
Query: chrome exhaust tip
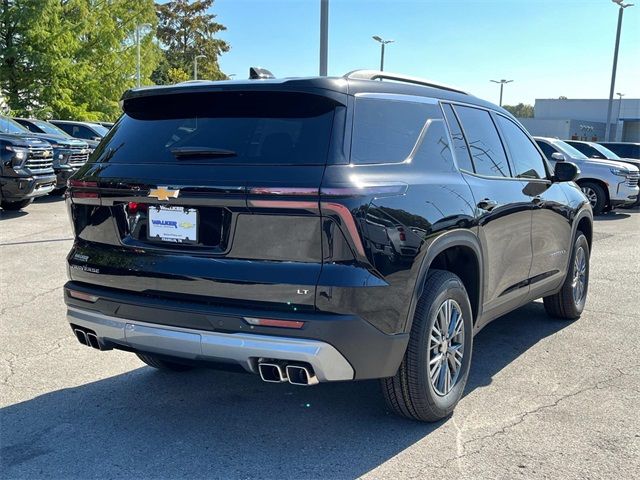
point(93, 341)
point(81, 336)
point(272, 372)
point(300, 375)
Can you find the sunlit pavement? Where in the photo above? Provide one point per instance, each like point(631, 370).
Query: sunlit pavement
point(546, 399)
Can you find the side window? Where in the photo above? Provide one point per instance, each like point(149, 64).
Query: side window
point(459, 145)
point(486, 148)
point(386, 131)
point(434, 150)
point(547, 149)
point(67, 128)
point(525, 157)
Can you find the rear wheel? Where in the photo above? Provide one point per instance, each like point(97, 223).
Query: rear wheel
point(569, 302)
point(434, 371)
point(16, 205)
point(162, 364)
point(596, 195)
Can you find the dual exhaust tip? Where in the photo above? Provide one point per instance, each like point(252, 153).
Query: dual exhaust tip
point(279, 372)
point(88, 338)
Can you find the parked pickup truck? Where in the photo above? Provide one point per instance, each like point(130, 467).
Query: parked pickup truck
point(26, 170)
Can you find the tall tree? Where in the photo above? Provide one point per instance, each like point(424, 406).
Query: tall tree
point(186, 29)
point(72, 58)
point(520, 110)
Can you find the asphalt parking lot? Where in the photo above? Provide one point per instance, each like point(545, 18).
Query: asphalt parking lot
point(546, 398)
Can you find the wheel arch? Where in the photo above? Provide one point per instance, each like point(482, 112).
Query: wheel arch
point(453, 251)
point(601, 183)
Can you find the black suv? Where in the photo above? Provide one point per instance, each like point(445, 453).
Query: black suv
point(320, 229)
point(26, 169)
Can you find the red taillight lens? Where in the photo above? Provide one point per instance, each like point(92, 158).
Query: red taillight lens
point(403, 237)
point(272, 322)
point(81, 184)
point(135, 207)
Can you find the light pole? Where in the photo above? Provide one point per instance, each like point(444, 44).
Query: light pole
point(138, 27)
point(382, 44)
point(622, 6)
point(195, 65)
point(324, 36)
point(620, 95)
point(502, 83)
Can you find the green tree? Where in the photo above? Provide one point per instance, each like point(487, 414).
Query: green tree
point(73, 58)
point(520, 110)
point(186, 29)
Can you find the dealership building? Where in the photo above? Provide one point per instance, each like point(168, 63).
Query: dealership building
point(585, 119)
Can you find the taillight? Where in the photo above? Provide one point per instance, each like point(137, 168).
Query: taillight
point(135, 207)
point(83, 296)
point(403, 237)
point(77, 189)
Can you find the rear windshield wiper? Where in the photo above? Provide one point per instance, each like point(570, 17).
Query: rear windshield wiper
point(192, 152)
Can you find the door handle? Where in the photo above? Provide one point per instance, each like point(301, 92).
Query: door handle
point(487, 204)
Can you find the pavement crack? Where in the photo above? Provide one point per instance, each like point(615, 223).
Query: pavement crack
point(30, 300)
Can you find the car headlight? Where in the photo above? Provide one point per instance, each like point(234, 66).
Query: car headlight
point(621, 172)
point(18, 153)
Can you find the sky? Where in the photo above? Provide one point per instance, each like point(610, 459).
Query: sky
point(548, 48)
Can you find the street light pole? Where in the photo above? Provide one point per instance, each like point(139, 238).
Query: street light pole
point(620, 95)
point(502, 83)
point(324, 36)
point(622, 6)
point(138, 27)
point(382, 45)
point(195, 65)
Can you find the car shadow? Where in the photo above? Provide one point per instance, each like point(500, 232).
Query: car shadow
point(49, 199)
point(208, 423)
point(613, 215)
point(10, 215)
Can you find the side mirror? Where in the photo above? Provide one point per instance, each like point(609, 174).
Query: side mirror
point(558, 157)
point(565, 172)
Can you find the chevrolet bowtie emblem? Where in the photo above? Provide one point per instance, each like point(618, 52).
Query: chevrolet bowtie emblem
point(163, 193)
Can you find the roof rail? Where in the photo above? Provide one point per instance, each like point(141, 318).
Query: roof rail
point(380, 75)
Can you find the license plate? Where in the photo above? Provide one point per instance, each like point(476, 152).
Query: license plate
point(173, 224)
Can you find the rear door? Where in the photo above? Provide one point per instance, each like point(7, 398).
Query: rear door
point(209, 197)
point(503, 210)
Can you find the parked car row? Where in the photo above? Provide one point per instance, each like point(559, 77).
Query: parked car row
point(38, 157)
point(607, 180)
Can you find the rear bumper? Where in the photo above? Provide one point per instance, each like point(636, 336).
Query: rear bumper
point(338, 347)
point(241, 348)
point(15, 189)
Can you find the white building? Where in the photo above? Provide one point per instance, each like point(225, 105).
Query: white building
point(585, 119)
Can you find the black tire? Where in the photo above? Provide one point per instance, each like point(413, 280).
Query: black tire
point(162, 364)
point(19, 205)
point(598, 206)
point(563, 304)
point(410, 392)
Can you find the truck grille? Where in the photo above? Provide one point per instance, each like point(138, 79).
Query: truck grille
point(77, 158)
point(632, 179)
point(40, 160)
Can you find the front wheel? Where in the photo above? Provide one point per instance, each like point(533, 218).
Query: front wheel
point(19, 205)
point(434, 371)
point(569, 302)
point(596, 196)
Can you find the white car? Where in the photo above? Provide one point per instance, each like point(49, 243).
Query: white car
point(606, 183)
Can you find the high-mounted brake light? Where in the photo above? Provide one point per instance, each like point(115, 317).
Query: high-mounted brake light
point(272, 322)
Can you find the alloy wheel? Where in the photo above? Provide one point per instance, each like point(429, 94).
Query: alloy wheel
point(579, 282)
point(591, 196)
point(446, 347)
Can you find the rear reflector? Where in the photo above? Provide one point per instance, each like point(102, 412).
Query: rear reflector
point(83, 296)
point(272, 322)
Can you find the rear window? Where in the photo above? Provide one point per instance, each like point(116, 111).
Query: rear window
point(261, 128)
